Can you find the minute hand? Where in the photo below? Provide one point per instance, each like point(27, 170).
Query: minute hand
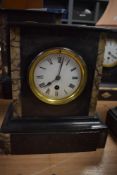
point(58, 75)
point(60, 67)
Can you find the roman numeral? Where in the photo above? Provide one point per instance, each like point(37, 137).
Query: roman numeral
point(65, 91)
point(48, 91)
point(59, 59)
point(56, 93)
point(41, 85)
point(67, 62)
point(40, 76)
point(42, 67)
point(74, 78)
point(71, 85)
point(73, 69)
point(50, 61)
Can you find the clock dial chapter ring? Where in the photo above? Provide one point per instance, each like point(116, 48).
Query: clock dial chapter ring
point(68, 79)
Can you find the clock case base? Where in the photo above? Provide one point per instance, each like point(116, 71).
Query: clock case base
point(54, 136)
point(108, 92)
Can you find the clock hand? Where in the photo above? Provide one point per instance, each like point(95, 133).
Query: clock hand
point(49, 83)
point(58, 75)
point(113, 56)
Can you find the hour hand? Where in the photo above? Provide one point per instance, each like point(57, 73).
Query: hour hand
point(49, 83)
point(56, 78)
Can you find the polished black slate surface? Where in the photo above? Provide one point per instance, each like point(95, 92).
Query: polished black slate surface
point(35, 39)
point(108, 30)
point(28, 15)
point(57, 125)
point(109, 75)
point(59, 143)
point(32, 136)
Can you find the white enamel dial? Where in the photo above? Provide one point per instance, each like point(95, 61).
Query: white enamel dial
point(47, 70)
point(57, 76)
point(110, 55)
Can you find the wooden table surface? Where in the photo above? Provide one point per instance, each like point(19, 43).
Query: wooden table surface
point(100, 162)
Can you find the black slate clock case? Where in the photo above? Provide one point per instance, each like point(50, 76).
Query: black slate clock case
point(64, 128)
point(40, 38)
point(52, 129)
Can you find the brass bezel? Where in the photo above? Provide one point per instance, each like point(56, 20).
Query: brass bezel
point(110, 65)
point(69, 98)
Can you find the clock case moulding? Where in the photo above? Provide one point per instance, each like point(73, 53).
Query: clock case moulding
point(52, 129)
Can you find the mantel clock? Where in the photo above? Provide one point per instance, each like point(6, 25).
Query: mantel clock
point(55, 75)
point(108, 88)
